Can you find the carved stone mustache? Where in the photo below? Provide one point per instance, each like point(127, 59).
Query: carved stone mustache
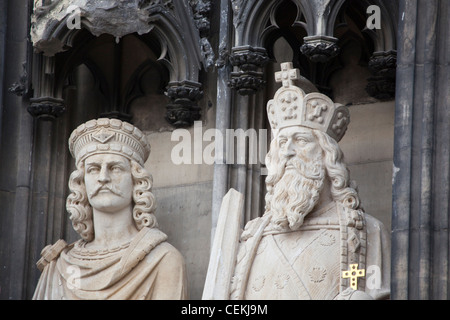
point(108, 187)
point(314, 172)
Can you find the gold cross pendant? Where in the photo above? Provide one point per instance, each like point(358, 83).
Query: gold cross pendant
point(354, 273)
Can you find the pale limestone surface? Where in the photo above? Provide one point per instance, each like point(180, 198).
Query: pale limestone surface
point(371, 164)
point(121, 254)
point(223, 254)
point(313, 230)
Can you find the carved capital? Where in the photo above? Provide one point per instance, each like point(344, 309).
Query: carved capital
point(46, 108)
point(383, 63)
point(248, 58)
point(246, 83)
point(383, 66)
point(320, 48)
point(183, 109)
point(248, 61)
point(185, 90)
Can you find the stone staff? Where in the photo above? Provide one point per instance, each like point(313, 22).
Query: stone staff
point(224, 249)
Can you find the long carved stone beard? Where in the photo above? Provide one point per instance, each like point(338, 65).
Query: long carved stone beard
point(297, 192)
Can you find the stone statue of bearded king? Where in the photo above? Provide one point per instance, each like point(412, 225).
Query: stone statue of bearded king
point(314, 234)
point(122, 255)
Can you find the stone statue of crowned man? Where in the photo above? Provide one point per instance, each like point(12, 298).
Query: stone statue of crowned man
point(314, 240)
point(121, 254)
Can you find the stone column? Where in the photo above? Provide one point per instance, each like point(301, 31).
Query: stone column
point(3, 20)
point(223, 105)
point(15, 156)
point(420, 220)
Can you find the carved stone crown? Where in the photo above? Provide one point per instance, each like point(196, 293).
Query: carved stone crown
point(292, 107)
point(108, 136)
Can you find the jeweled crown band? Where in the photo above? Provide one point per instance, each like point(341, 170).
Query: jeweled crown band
point(109, 136)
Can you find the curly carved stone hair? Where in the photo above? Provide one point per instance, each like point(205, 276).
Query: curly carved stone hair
point(80, 210)
point(342, 188)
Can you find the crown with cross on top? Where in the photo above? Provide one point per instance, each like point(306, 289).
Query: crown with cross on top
point(292, 107)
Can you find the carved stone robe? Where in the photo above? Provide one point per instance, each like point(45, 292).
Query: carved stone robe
point(308, 263)
point(146, 268)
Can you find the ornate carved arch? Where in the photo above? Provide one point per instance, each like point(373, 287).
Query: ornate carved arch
point(184, 49)
point(317, 20)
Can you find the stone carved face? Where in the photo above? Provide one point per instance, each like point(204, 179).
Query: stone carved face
point(129, 188)
point(298, 162)
point(298, 143)
point(299, 174)
point(109, 183)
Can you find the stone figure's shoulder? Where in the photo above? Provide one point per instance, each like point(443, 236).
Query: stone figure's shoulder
point(50, 253)
point(172, 253)
point(152, 243)
point(168, 253)
point(373, 224)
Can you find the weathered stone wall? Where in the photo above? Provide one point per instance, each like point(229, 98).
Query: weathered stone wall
point(421, 195)
point(368, 149)
point(184, 200)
